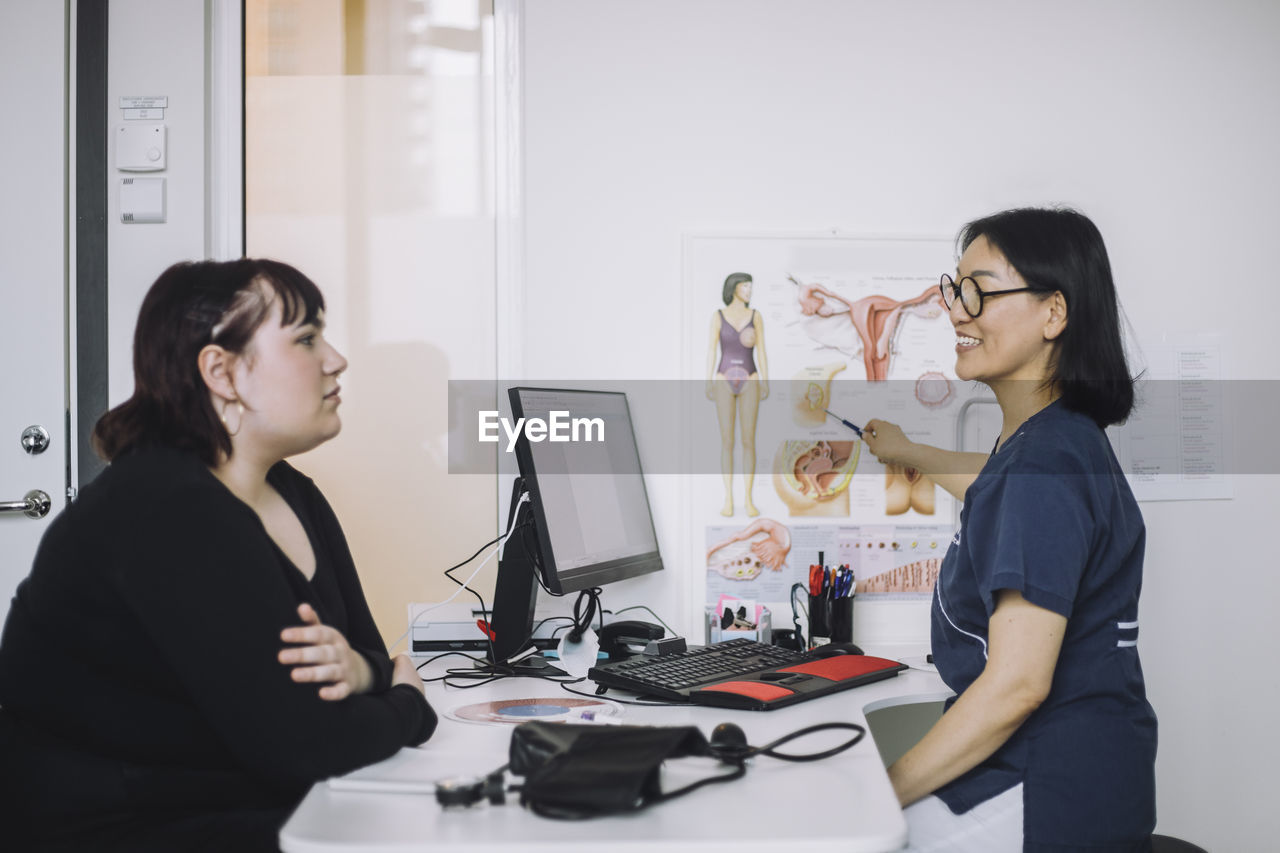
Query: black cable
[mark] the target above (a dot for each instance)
(491, 673)
(444, 679)
(771, 749)
(671, 631)
(737, 756)
(623, 701)
(582, 620)
(476, 554)
(542, 622)
(535, 557)
(449, 571)
(483, 673)
(795, 613)
(449, 574)
(444, 655)
(739, 770)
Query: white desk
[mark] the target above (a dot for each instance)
(842, 803)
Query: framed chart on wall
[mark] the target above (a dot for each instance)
(780, 330)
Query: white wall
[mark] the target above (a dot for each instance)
(648, 120)
(154, 49)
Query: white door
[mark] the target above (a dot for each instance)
(33, 274)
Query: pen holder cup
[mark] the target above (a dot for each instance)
(819, 620)
(841, 620)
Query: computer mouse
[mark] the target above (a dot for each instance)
(830, 650)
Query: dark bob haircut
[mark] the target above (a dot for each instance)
(192, 305)
(1062, 250)
(731, 284)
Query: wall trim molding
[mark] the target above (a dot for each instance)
(509, 218)
(224, 143)
(509, 199)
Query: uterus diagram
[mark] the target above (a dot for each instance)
(812, 477)
(867, 326)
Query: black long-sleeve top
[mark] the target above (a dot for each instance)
(138, 669)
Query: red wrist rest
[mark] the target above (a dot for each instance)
(842, 667)
(760, 690)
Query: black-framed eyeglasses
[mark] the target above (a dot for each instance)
(970, 294)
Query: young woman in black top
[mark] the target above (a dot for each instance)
(192, 649)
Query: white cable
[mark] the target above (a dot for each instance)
(524, 498)
(496, 552)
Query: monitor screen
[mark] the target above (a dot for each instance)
(579, 461)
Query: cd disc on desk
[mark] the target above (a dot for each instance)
(545, 709)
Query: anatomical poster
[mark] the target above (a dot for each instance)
(894, 561)
(762, 558)
(749, 561)
(798, 340)
(754, 561)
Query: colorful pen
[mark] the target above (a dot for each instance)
(856, 429)
(815, 580)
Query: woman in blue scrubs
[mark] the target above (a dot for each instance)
(1050, 742)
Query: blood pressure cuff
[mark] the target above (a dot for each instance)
(579, 771)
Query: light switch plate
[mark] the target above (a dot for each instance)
(141, 200)
(140, 147)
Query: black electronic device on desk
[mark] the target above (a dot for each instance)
(745, 674)
(579, 516)
(622, 640)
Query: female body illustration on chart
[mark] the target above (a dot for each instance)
(738, 381)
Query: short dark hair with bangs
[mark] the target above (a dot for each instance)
(1059, 249)
(731, 284)
(191, 305)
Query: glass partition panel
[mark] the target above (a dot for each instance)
(368, 165)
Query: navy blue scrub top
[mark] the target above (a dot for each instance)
(1052, 516)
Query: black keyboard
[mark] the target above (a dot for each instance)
(676, 676)
(743, 674)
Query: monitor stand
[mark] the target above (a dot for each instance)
(515, 595)
(534, 666)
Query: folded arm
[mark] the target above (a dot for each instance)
(215, 611)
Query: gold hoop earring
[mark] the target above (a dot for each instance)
(239, 419)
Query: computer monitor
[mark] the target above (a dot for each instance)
(587, 520)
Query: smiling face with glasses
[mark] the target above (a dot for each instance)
(969, 292)
(1004, 339)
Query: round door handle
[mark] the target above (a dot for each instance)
(34, 504)
(35, 439)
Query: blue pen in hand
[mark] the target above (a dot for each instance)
(856, 429)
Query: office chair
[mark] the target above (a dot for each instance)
(1167, 844)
